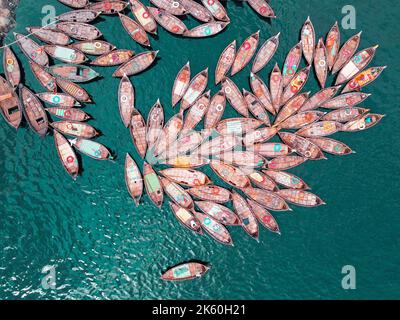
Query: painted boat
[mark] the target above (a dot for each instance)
(321, 63)
(292, 63)
(262, 8)
(60, 100)
(286, 179)
(176, 193)
(135, 30)
(138, 132)
(82, 15)
(245, 52)
(332, 45)
(234, 96)
(344, 114)
(271, 149)
(320, 129)
(268, 199)
(295, 86)
(169, 134)
(276, 87)
(126, 100)
(265, 54)
(153, 185)
(9, 104)
(73, 72)
(264, 217)
(217, 9)
(229, 174)
(363, 78)
(245, 214)
(186, 177)
(186, 271)
(300, 197)
(225, 61)
(308, 40)
(133, 179)
(301, 119)
(218, 212)
(346, 100)
(33, 111)
(187, 142)
(68, 114)
(197, 111)
(365, 121)
(256, 108)
(196, 10)
(237, 126)
(65, 54)
(32, 50)
(93, 47)
(259, 136)
(11, 67)
(195, 88)
(108, 7)
(331, 146)
(66, 155)
(215, 229)
(186, 218)
(206, 30)
(319, 98)
(346, 52)
(155, 124)
(91, 148)
(74, 90)
(46, 80)
(190, 161)
(137, 64)
(261, 91)
(291, 107)
(76, 4)
(168, 21)
(181, 84)
(262, 181)
(113, 58)
(285, 162)
(242, 158)
(79, 31)
(215, 110)
(210, 193)
(356, 64)
(172, 6)
(217, 145)
(75, 129)
(49, 36)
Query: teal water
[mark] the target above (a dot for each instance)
(103, 247)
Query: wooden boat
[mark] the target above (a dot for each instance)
(344, 114)
(286, 179)
(259, 136)
(168, 21)
(186, 271)
(320, 129)
(245, 52)
(33, 111)
(264, 217)
(113, 58)
(177, 194)
(210, 193)
(69, 113)
(138, 132)
(365, 121)
(225, 61)
(363, 78)
(82, 15)
(332, 45)
(133, 179)
(261, 91)
(76, 4)
(108, 7)
(93, 47)
(187, 142)
(190, 161)
(195, 88)
(301, 119)
(66, 155)
(79, 31)
(126, 100)
(215, 229)
(135, 30)
(262, 8)
(346, 52)
(262, 181)
(242, 158)
(319, 98)
(298, 82)
(346, 100)
(91, 148)
(245, 214)
(181, 84)
(237, 126)
(217, 9)
(218, 145)
(49, 36)
(266, 52)
(234, 96)
(218, 212)
(291, 107)
(153, 185)
(321, 63)
(267, 199)
(75, 129)
(285, 162)
(308, 40)
(155, 124)
(9, 104)
(186, 218)
(356, 64)
(65, 54)
(271, 149)
(31, 49)
(73, 90)
(196, 10)
(331, 146)
(169, 134)
(45, 79)
(292, 63)
(11, 67)
(256, 108)
(186, 177)
(206, 30)
(73, 72)
(300, 197)
(197, 111)
(229, 174)
(276, 87)
(137, 64)
(215, 110)
(171, 6)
